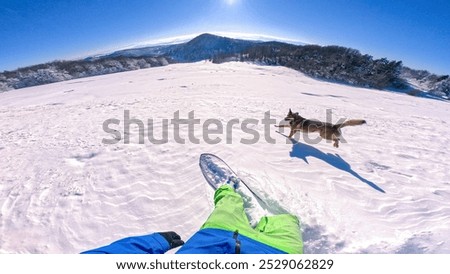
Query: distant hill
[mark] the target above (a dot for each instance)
(204, 46)
(207, 46)
(332, 63)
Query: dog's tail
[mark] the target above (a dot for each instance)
(350, 123)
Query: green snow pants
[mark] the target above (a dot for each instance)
(279, 231)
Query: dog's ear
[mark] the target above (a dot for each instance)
(290, 111)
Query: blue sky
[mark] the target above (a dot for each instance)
(414, 31)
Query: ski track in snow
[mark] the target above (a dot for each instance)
(385, 190)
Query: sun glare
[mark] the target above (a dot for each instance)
(230, 2)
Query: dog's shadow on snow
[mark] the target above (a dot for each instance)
(303, 151)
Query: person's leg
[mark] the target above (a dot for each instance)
(229, 212)
(282, 232)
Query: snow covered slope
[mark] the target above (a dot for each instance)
(386, 190)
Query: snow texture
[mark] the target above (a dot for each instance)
(385, 190)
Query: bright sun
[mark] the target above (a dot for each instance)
(231, 2)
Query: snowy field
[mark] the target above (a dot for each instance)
(63, 190)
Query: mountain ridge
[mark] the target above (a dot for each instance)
(330, 63)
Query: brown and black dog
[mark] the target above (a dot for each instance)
(326, 130)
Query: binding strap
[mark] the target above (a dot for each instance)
(237, 249)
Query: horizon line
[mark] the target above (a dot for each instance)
(162, 41)
(179, 39)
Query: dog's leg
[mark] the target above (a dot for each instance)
(336, 142)
(283, 126)
(291, 133)
(336, 138)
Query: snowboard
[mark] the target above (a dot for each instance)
(218, 173)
